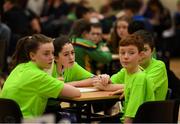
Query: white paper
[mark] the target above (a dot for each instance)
(84, 89)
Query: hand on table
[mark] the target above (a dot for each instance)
(104, 79)
(121, 92)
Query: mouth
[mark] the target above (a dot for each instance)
(125, 63)
(71, 62)
(50, 63)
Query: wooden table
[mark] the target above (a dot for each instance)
(85, 101)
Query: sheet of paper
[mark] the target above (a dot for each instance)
(85, 89)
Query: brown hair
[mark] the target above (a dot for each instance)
(59, 43)
(114, 35)
(134, 40)
(26, 45)
(147, 38)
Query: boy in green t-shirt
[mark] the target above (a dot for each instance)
(137, 89)
(155, 69)
(85, 37)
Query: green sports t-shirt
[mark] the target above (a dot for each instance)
(86, 51)
(31, 87)
(156, 73)
(137, 90)
(75, 73)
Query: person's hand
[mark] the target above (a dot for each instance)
(99, 86)
(104, 79)
(61, 78)
(121, 92)
(95, 79)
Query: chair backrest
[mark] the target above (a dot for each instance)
(169, 94)
(158, 112)
(9, 111)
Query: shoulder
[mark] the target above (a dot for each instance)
(83, 43)
(157, 63)
(32, 70)
(139, 78)
(122, 71)
(119, 74)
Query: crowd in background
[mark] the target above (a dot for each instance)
(53, 18)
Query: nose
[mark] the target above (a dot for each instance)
(126, 55)
(71, 56)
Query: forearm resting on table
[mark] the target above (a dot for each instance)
(82, 83)
(70, 91)
(109, 87)
(114, 87)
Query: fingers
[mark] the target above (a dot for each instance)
(121, 92)
(96, 80)
(121, 96)
(99, 86)
(117, 92)
(61, 78)
(104, 79)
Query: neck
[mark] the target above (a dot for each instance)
(146, 64)
(59, 69)
(133, 70)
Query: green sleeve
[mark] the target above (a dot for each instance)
(118, 78)
(94, 51)
(83, 42)
(49, 86)
(76, 73)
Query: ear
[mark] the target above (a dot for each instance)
(141, 54)
(32, 56)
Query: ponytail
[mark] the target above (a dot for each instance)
(26, 45)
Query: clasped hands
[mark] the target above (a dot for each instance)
(103, 82)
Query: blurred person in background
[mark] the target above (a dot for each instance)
(85, 45)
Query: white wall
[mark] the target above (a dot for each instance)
(170, 4)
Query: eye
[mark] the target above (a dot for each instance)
(72, 52)
(145, 49)
(131, 52)
(66, 54)
(46, 53)
(122, 53)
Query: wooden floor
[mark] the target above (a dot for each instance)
(175, 66)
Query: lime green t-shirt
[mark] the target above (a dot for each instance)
(31, 87)
(137, 90)
(75, 73)
(156, 73)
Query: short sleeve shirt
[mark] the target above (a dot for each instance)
(31, 87)
(75, 73)
(137, 90)
(156, 73)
